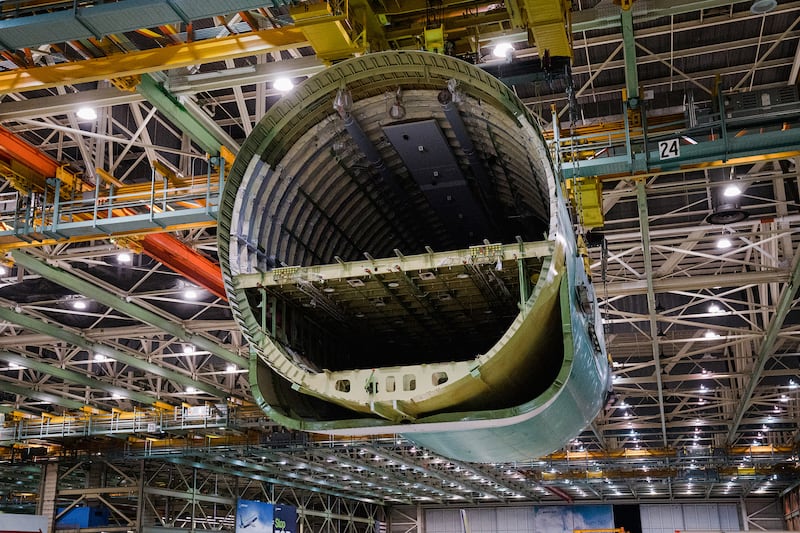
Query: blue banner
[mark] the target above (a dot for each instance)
(254, 517)
(285, 519)
(563, 519)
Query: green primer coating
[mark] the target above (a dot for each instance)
(65, 335)
(75, 377)
(170, 107)
(532, 428)
(98, 294)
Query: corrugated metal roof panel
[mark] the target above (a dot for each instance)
(197, 9)
(28, 32)
(127, 16)
(105, 19)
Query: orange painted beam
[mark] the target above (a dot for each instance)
(26, 154)
(187, 262)
(157, 59)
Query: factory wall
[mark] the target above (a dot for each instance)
(757, 514)
(687, 517)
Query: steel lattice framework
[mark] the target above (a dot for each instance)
(704, 341)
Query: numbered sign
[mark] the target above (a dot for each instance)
(669, 149)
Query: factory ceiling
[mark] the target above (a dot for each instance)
(103, 313)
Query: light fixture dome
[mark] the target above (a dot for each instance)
(502, 50)
(727, 214)
(86, 113)
(760, 7)
(732, 190)
(283, 85)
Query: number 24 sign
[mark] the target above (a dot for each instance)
(669, 149)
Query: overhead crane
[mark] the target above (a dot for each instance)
(158, 245)
(164, 248)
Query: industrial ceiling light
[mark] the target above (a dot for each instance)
(761, 7)
(502, 50)
(732, 190)
(124, 257)
(724, 242)
(86, 113)
(80, 305)
(188, 349)
(190, 293)
(727, 213)
(727, 209)
(283, 85)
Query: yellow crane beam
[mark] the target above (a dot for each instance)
(548, 21)
(144, 61)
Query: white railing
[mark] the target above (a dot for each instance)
(135, 422)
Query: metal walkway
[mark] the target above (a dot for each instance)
(726, 134)
(143, 423)
(44, 217)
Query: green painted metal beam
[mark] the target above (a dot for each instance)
(655, 348)
(629, 49)
(6, 409)
(29, 392)
(190, 495)
(598, 18)
(61, 333)
(767, 348)
(723, 151)
(75, 377)
(170, 107)
(104, 297)
(238, 471)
